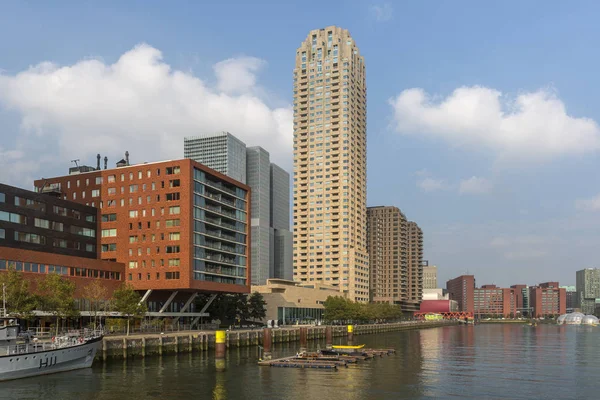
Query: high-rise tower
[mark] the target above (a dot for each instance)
(330, 163)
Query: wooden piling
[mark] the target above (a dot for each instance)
(328, 337)
(267, 342)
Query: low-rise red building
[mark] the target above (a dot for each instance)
(547, 299)
(494, 301)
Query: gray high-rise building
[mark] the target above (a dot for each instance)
(280, 223)
(271, 240)
(587, 286)
(220, 151)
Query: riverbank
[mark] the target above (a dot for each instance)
(505, 321)
(123, 347)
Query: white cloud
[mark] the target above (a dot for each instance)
(237, 75)
(475, 185)
(383, 12)
(533, 125)
(591, 204)
(432, 185)
(139, 104)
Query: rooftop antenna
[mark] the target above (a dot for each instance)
(76, 163)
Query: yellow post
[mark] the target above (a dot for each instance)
(220, 338)
(350, 334)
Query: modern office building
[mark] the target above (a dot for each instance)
(587, 285)
(415, 262)
(547, 299)
(42, 234)
(571, 298)
(220, 151)
(429, 277)
(330, 163)
(271, 239)
(179, 227)
(462, 290)
(522, 297)
(492, 301)
(387, 245)
(282, 255)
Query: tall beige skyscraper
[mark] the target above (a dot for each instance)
(330, 163)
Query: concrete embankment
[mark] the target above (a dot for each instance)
(122, 347)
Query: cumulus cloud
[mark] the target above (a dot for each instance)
(140, 104)
(237, 75)
(475, 185)
(591, 204)
(383, 12)
(533, 125)
(432, 184)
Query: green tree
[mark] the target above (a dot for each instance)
(338, 308)
(128, 302)
(96, 294)
(257, 306)
(19, 300)
(57, 298)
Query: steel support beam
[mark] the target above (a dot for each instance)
(208, 303)
(145, 296)
(168, 302)
(186, 305)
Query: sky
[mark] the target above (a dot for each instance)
(482, 125)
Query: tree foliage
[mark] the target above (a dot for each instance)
(19, 300)
(342, 310)
(128, 302)
(57, 297)
(257, 306)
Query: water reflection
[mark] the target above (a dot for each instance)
(485, 361)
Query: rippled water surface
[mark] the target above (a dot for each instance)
(485, 361)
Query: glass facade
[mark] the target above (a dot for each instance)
(291, 315)
(220, 230)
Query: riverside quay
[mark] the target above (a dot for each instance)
(179, 227)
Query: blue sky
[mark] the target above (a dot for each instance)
(481, 116)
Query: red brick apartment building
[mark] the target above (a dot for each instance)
(41, 234)
(547, 299)
(461, 289)
(179, 227)
(495, 301)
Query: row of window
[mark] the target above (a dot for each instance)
(58, 269)
(42, 240)
(168, 276)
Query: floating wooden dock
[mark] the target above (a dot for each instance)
(318, 361)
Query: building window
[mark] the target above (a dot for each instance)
(2, 198)
(171, 223)
(79, 230)
(173, 170)
(174, 236)
(95, 193)
(133, 214)
(109, 247)
(30, 238)
(41, 223)
(174, 262)
(172, 249)
(173, 196)
(109, 217)
(174, 210)
(98, 180)
(112, 178)
(133, 264)
(59, 243)
(109, 232)
(174, 183)
(12, 217)
(172, 275)
(2, 234)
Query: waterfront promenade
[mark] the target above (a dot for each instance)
(144, 345)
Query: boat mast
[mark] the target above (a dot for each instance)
(3, 313)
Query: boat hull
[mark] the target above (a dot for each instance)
(25, 365)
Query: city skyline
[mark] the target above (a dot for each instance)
(505, 203)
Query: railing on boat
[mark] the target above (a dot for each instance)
(71, 338)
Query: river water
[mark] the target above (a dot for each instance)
(460, 362)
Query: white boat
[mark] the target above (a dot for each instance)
(22, 357)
